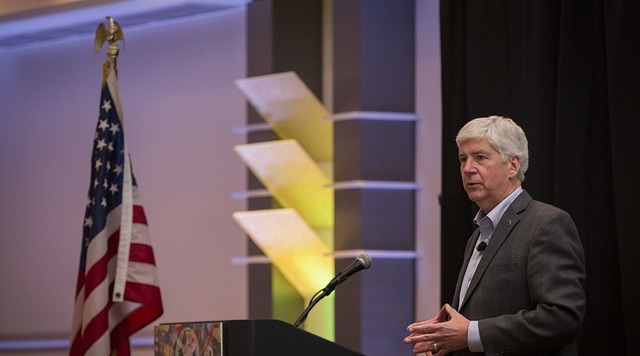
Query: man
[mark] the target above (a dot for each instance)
(521, 287)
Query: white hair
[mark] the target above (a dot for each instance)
(504, 135)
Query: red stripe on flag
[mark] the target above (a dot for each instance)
(138, 292)
(76, 344)
(97, 273)
(138, 318)
(95, 328)
(139, 216)
(141, 253)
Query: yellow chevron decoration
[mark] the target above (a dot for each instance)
(297, 170)
(292, 110)
(291, 245)
(293, 179)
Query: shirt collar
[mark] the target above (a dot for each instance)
(496, 213)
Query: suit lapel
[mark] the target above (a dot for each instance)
(508, 221)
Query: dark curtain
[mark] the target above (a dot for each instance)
(567, 72)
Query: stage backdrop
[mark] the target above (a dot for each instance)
(567, 72)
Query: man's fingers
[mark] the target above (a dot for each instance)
(450, 309)
(421, 323)
(418, 338)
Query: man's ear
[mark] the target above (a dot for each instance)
(514, 166)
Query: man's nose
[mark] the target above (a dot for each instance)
(469, 167)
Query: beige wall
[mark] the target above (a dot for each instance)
(180, 103)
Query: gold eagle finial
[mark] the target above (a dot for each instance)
(112, 34)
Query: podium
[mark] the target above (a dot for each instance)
(242, 338)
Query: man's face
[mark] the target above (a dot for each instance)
(486, 179)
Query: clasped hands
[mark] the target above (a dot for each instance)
(439, 335)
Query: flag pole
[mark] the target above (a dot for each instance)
(112, 34)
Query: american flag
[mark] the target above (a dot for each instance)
(117, 291)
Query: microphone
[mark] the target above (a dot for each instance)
(481, 246)
(363, 261)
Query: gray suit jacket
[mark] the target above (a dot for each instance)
(527, 293)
